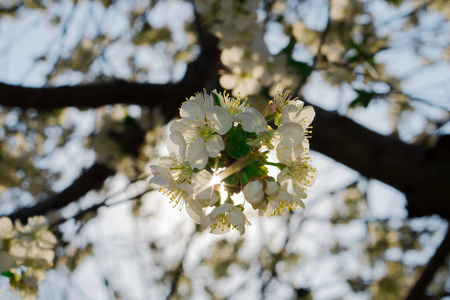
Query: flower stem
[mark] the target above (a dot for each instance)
(278, 165)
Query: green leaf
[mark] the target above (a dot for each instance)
(363, 98)
(7, 274)
(235, 142)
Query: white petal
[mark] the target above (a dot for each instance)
(299, 201)
(220, 230)
(192, 111)
(290, 113)
(195, 211)
(236, 217)
(226, 207)
(214, 145)
(201, 179)
(207, 221)
(294, 113)
(165, 161)
(299, 192)
(160, 179)
(307, 115)
(283, 177)
(272, 188)
(283, 195)
(291, 134)
(184, 187)
(204, 99)
(201, 183)
(288, 155)
(180, 126)
(176, 145)
(219, 118)
(310, 177)
(159, 170)
(305, 145)
(197, 156)
(252, 120)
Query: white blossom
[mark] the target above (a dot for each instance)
(234, 106)
(224, 218)
(253, 121)
(205, 124)
(174, 174)
(296, 113)
(204, 196)
(297, 171)
(283, 201)
(291, 134)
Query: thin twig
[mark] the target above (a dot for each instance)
(179, 269)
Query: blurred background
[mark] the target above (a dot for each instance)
(88, 87)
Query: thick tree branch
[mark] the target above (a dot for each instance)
(90, 179)
(167, 96)
(422, 175)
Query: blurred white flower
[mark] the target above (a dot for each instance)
(6, 229)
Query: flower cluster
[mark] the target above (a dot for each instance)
(221, 147)
(26, 252)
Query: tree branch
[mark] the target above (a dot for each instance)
(92, 96)
(418, 290)
(90, 179)
(422, 175)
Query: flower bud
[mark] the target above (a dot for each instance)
(254, 193)
(272, 188)
(270, 109)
